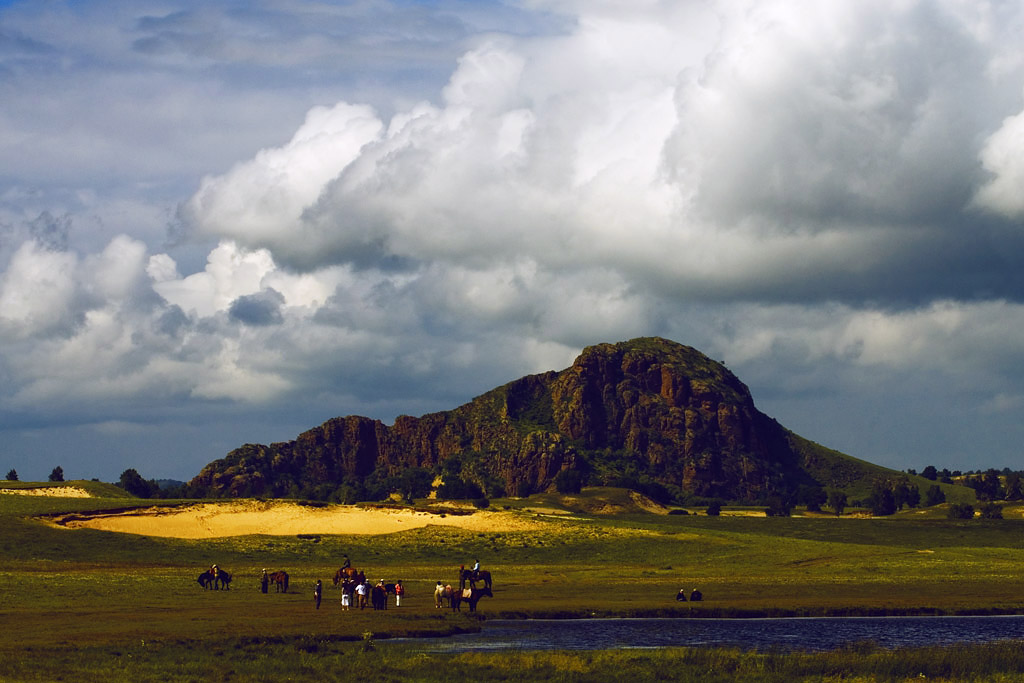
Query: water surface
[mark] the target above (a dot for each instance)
(812, 634)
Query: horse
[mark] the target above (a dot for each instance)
(467, 575)
(474, 597)
(280, 581)
(379, 597)
(347, 573)
(214, 582)
(442, 593)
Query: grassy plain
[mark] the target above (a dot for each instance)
(84, 604)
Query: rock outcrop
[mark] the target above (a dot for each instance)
(646, 412)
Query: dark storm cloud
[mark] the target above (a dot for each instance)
(263, 308)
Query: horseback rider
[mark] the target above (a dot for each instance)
(346, 564)
(476, 570)
(214, 571)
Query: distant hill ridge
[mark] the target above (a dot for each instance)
(649, 414)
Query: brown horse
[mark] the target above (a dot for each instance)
(467, 575)
(280, 581)
(348, 573)
(474, 597)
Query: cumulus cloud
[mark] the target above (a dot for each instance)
(1003, 157)
(263, 308)
(768, 151)
(825, 197)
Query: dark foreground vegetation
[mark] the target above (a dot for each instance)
(84, 605)
(315, 659)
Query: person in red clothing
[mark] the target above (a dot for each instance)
(399, 593)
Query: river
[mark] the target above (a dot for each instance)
(811, 633)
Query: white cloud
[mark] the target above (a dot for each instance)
(262, 201)
(1003, 157)
(38, 293)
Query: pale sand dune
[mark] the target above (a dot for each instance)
(55, 491)
(215, 520)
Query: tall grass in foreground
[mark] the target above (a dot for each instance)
(311, 659)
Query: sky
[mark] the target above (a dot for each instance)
(227, 222)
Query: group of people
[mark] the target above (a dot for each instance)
(356, 593)
(695, 596)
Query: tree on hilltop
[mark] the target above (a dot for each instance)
(57, 474)
(132, 482)
(12, 475)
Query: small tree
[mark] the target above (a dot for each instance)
(813, 497)
(12, 475)
(961, 511)
(714, 508)
(569, 481)
(132, 482)
(882, 501)
(837, 501)
(991, 511)
(930, 472)
(934, 495)
(1013, 487)
(57, 474)
(778, 507)
(415, 482)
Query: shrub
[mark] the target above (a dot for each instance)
(715, 508)
(778, 507)
(991, 511)
(837, 501)
(961, 511)
(569, 481)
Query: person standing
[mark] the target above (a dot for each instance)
(361, 590)
(264, 582)
(346, 594)
(318, 591)
(399, 592)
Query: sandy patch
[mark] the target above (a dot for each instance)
(55, 491)
(216, 520)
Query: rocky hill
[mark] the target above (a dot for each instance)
(647, 414)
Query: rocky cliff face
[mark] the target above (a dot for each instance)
(647, 410)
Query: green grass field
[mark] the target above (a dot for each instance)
(92, 605)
